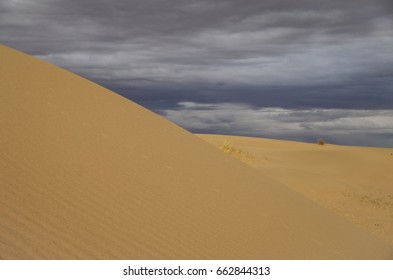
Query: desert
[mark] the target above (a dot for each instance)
(88, 174)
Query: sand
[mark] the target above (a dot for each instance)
(354, 182)
(88, 174)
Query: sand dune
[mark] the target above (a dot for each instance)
(87, 174)
(355, 182)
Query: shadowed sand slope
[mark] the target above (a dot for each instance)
(87, 174)
(355, 182)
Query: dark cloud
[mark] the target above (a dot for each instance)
(358, 96)
(276, 53)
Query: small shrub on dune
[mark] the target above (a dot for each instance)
(321, 142)
(228, 148)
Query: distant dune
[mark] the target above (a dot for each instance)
(355, 182)
(87, 174)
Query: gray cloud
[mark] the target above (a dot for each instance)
(233, 42)
(352, 127)
(302, 54)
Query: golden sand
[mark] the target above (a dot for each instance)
(354, 182)
(87, 174)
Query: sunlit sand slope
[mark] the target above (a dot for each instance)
(87, 174)
(355, 182)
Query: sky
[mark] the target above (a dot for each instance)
(297, 70)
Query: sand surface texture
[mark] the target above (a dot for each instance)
(355, 182)
(87, 174)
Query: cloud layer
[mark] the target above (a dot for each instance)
(297, 55)
(352, 127)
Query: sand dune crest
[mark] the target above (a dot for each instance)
(87, 174)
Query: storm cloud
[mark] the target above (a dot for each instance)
(293, 55)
